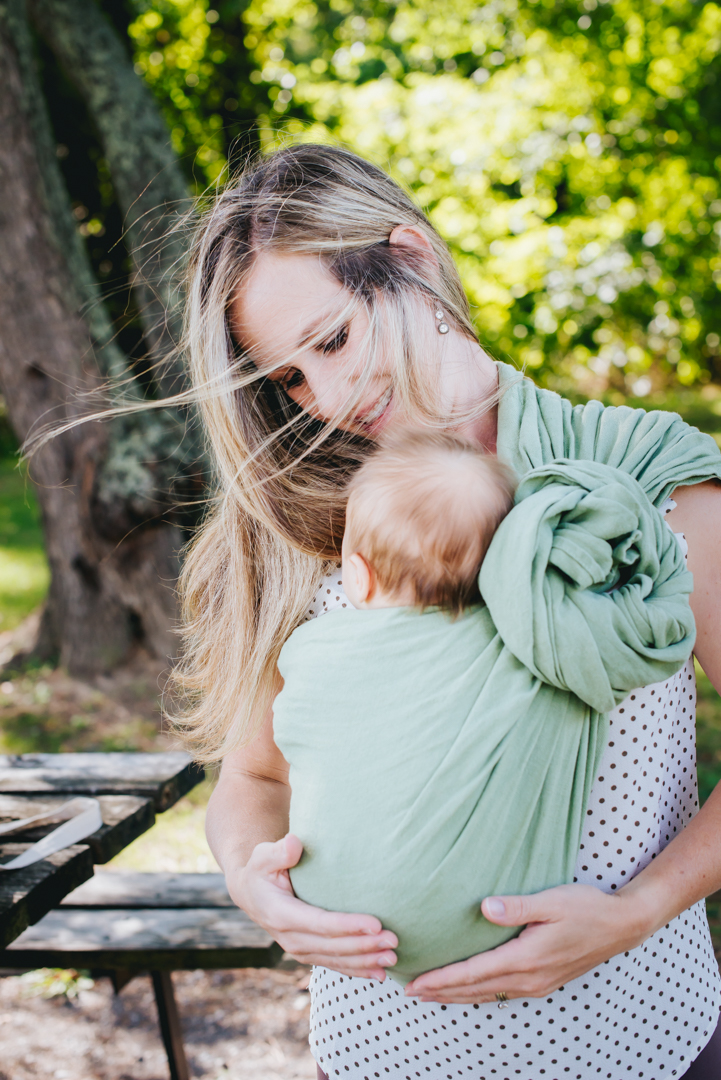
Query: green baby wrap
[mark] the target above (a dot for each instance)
(445, 761)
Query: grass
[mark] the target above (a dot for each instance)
(24, 574)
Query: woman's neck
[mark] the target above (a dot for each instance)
(472, 378)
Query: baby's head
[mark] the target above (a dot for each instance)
(421, 513)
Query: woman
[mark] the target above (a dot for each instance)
(324, 310)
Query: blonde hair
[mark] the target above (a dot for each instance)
(422, 511)
(276, 523)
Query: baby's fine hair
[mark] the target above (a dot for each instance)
(422, 511)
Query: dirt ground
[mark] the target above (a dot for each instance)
(237, 1025)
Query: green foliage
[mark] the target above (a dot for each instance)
(199, 69)
(708, 736)
(567, 151)
(55, 982)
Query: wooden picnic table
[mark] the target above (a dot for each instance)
(130, 787)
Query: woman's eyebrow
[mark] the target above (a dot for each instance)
(309, 333)
(311, 330)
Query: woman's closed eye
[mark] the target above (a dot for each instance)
(336, 343)
(292, 380)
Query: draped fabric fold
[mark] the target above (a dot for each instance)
(586, 584)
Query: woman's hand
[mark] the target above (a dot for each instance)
(247, 812)
(568, 931)
(352, 944)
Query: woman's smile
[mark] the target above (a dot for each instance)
(371, 420)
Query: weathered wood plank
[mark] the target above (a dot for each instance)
(28, 894)
(151, 938)
(162, 777)
(125, 817)
(151, 890)
(145, 928)
(109, 960)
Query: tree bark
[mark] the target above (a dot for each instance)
(149, 184)
(102, 593)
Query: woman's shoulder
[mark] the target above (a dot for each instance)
(329, 596)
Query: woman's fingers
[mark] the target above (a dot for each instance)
(353, 944)
(489, 971)
(333, 939)
(498, 968)
(291, 915)
(282, 912)
(372, 965)
(352, 967)
(361, 945)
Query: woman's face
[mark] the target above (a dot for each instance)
(278, 312)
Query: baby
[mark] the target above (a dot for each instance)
(444, 732)
(420, 517)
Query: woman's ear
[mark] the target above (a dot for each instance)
(410, 236)
(413, 237)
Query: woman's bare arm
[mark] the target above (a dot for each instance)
(698, 517)
(246, 826)
(253, 782)
(556, 945)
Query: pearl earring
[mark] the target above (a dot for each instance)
(443, 326)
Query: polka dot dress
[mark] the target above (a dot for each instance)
(646, 1014)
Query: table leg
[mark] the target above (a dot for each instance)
(169, 1021)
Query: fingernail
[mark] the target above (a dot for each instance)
(386, 943)
(495, 907)
(387, 961)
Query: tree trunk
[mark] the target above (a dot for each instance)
(102, 593)
(147, 178)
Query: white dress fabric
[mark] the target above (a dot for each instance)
(646, 1014)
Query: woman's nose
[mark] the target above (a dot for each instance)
(332, 393)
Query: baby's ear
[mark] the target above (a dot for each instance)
(363, 577)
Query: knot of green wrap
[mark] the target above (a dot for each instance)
(586, 584)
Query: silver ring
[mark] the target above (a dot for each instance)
(502, 999)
